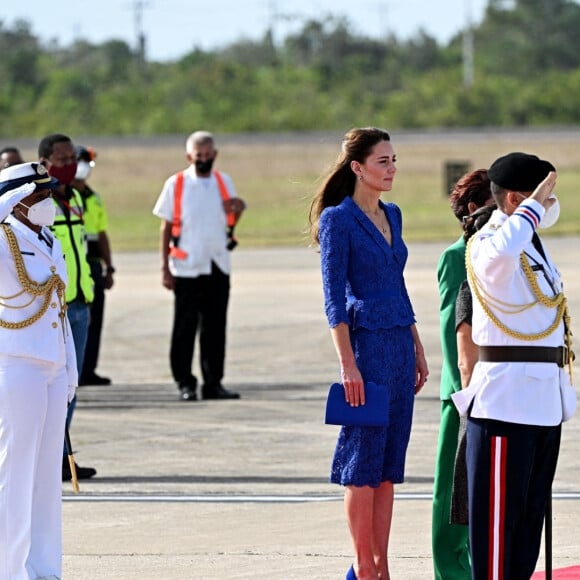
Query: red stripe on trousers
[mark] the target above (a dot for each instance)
(497, 478)
(502, 487)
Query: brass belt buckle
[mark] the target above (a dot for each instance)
(567, 355)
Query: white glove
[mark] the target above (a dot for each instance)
(72, 391)
(13, 197)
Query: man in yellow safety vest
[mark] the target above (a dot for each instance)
(56, 152)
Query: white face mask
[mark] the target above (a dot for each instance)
(41, 213)
(84, 169)
(552, 214)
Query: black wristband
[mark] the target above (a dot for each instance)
(110, 270)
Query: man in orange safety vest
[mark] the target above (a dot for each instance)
(199, 209)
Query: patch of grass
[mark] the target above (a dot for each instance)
(278, 175)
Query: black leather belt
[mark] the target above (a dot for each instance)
(550, 354)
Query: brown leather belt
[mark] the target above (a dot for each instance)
(550, 354)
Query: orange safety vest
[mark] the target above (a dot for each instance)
(175, 251)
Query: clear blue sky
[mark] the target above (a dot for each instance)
(174, 27)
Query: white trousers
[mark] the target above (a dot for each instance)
(33, 402)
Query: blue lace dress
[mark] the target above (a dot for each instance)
(364, 287)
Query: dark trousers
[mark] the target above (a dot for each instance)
(200, 302)
(510, 469)
(96, 323)
(78, 314)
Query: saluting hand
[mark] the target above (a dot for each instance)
(13, 197)
(543, 192)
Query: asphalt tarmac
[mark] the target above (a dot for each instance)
(238, 489)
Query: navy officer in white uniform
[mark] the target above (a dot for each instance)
(38, 375)
(513, 400)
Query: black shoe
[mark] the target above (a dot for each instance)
(94, 379)
(82, 472)
(187, 393)
(218, 393)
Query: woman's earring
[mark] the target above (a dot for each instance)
(360, 177)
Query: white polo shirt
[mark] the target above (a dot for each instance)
(203, 228)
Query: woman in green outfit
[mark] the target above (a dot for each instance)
(449, 541)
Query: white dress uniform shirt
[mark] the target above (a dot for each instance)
(203, 228)
(516, 392)
(45, 339)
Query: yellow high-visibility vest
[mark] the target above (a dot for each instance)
(69, 229)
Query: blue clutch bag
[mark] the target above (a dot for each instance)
(374, 413)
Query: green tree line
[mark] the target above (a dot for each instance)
(324, 77)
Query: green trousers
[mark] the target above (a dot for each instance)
(450, 542)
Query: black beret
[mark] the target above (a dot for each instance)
(519, 171)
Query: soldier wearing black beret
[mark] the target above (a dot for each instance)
(520, 392)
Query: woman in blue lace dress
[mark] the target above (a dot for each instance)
(373, 330)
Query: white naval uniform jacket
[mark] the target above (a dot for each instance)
(515, 392)
(44, 339)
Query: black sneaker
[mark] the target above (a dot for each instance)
(82, 472)
(94, 379)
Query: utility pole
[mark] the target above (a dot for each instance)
(138, 7)
(468, 73)
(383, 9)
(275, 16)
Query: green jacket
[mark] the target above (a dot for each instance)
(95, 218)
(450, 274)
(69, 229)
